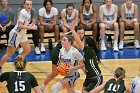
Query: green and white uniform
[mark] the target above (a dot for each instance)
(92, 70)
(110, 86)
(19, 81)
(55, 53)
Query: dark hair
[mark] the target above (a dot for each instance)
(45, 2)
(25, 1)
(84, 2)
(69, 4)
(20, 62)
(119, 74)
(78, 28)
(92, 43)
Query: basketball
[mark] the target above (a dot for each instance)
(62, 68)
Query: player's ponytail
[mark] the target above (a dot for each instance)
(120, 75)
(20, 63)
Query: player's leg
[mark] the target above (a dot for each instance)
(102, 35)
(116, 35)
(122, 28)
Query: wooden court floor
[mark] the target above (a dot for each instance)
(42, 69)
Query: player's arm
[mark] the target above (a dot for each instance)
(37, 89)
(101, 17)
(4, 76)
(94, 15)
(98, 88)
(81, 15)
(76, 37)
(64, 20)
(76, 17)
(55, 18)
(122, 9)
(115, 14)
(135, 12)
(128, 87)
(21, 20)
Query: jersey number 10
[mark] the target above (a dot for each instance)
(19, 86)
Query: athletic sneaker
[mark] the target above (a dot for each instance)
(121, 45)
(20, 50)
(37, 50)
(42, 88)
(103, 48)
(42, 48)
(116, 46)
(136, 44)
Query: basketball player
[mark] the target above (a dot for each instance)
(129, 19)
(114, 85)
(20, 81)
(55, 58)
(18, 33)
(91, 59)
(71, 56)
(108, 13)
(87, 13)
(68, 15)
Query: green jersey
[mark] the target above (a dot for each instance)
(110, 86)
(91, 65)
(19, 81)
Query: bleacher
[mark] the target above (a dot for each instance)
(60, 4)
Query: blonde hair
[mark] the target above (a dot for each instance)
(20, 62)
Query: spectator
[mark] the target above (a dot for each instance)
(48, 16)
(6, 19)
(18, 35)
(68, 15)
(87, 15)
(108, 16)
(129, 19)
(114, 85)
(20, 81)
(35, 33)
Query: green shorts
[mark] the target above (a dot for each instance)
(90, 84)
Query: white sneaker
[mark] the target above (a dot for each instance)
(37, 51)
(136, 44)
(20, 50)
(103, 48)
(42, 48)
(121, 45)
(116, 46)
(42, 88)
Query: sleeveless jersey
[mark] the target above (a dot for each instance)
(19, 81)
(108, 15)
(48, 18)
(91, 65)
(88, 15)
(71, 17)
(71, 57)
(25, 17)
(129, 14)
(110, 86)
(135, 88)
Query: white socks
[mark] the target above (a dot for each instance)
(56, 88)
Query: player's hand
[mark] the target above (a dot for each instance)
(34, 27)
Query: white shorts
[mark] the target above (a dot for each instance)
(15, 38)
(135, 88)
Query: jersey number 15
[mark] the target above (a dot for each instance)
(19, 86)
